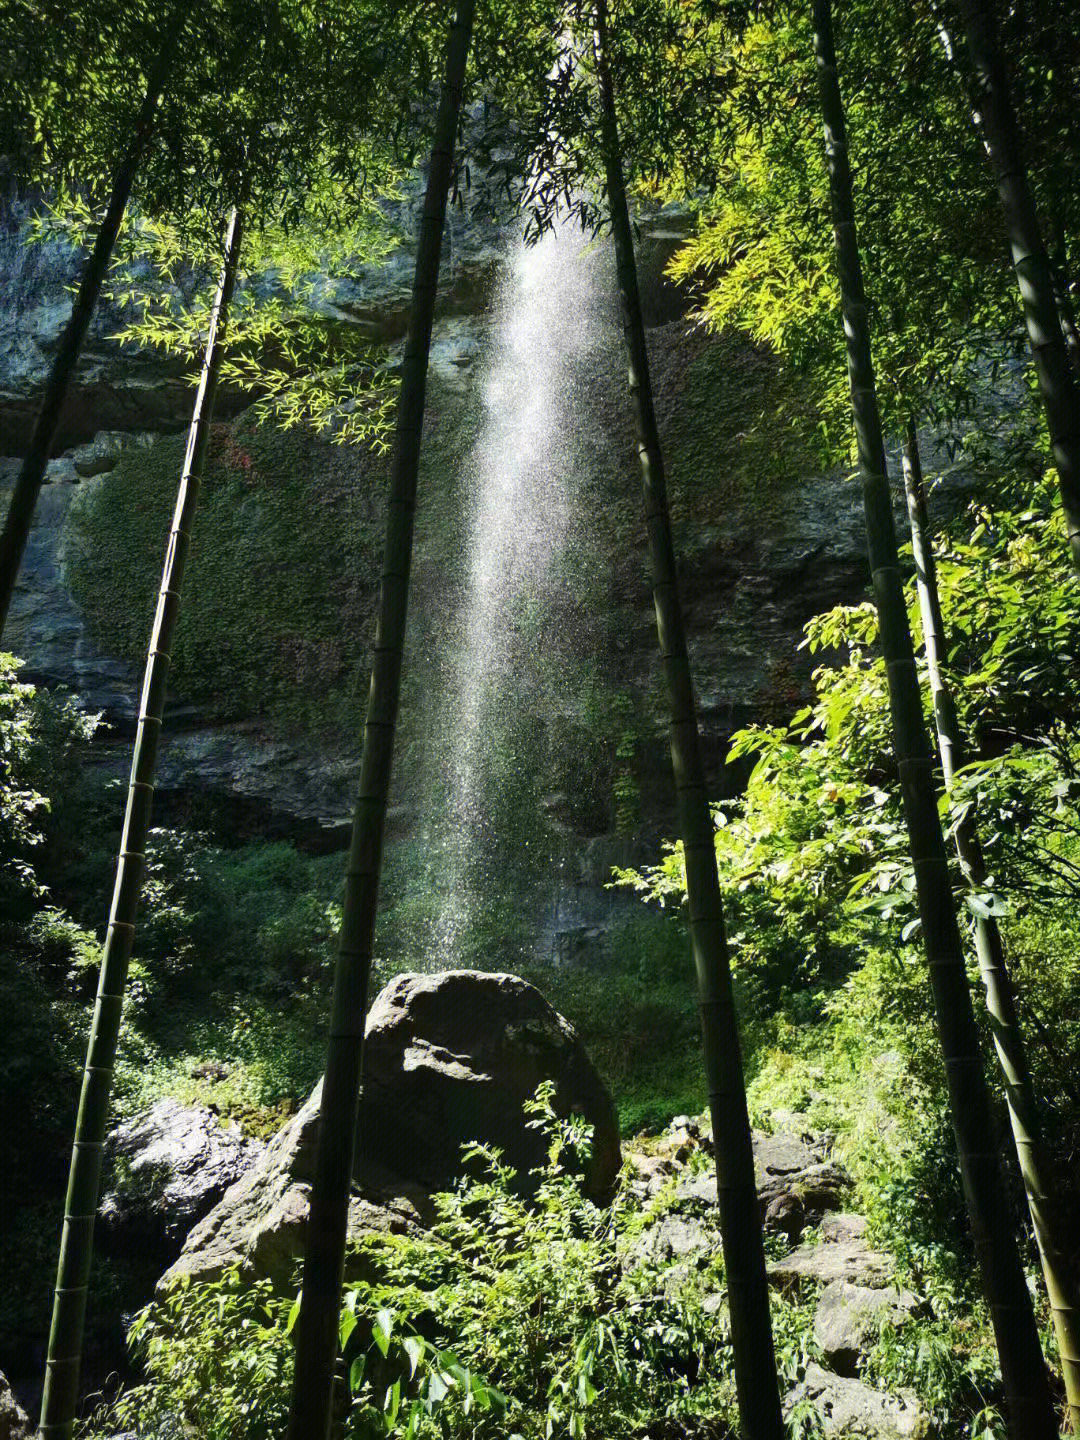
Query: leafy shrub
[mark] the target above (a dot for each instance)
(529, 1318)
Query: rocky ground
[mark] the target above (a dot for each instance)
(453, 1056)
(828, 1260)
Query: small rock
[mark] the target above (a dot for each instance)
(651, 1173)
(778, 1160)
(209, 1070)
(849, 1317)
(14, 1422)
(850, 1407)
(682, 1137)
(821, 1187)
(697, 1189)
(786, 1216)
(843, 1227)
(675, 1237)
(99, 455)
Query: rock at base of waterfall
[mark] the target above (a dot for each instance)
(452, 1057)
(850, 1407)
(259, 1225)
(172, 1164)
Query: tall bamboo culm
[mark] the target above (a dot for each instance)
(756, 1379)
(1027, 1392)
(1058, 383)
(1062, 300)
(64, 1360)
(1059, 1274)
(31, 475)
(320, 1300)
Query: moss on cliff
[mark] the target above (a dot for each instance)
(736, 426)
(281, 584)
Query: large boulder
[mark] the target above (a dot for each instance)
(452, 1057)
(258, 1227)
(171, 1165)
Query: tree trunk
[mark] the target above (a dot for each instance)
(84, 1181)
(1030, 1409)
(24, 497)
(1059, 1274)
(1058, 384)
(740, 1215)
(1057, 268)
(320, 1301)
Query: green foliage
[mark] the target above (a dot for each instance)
(818, 890)
(286, 345)
(543, 1319)
(509, 1317)
(761, 259)
(39, 734)
(226, 1352)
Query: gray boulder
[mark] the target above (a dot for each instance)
(675, 1237)
(846, 1257)
(14, 1423)
(258, 1226)
(850, 1407)
(171, 1166)
(449, 1058)
(779, 1159)
(849, 1317)
(452, 1057)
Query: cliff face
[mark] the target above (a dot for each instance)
(270, 664)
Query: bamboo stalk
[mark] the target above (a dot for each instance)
(756, 1379)
(24, 497)
(320, 1301)
(1045, 322)
(1058, 1272)
(1029, 1405)
(64, 1360)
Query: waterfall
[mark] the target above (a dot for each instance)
(520, 486)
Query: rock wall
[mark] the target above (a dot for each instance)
(270, 664)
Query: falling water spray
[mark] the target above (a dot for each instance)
(521, 480)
